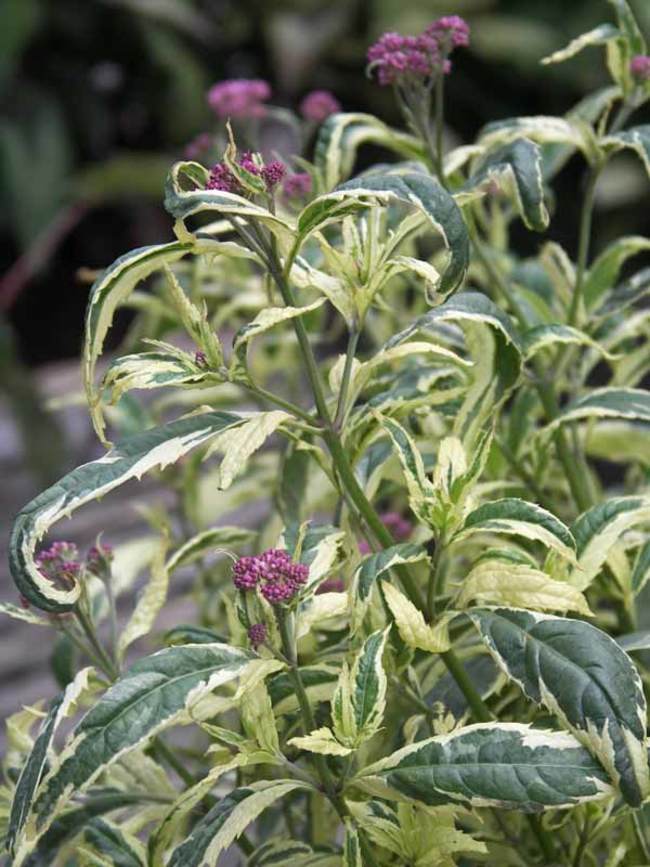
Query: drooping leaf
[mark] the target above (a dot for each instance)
(517, 166)
(582, 676)
(227, 819)
(604, 273)
(129, 459)
(503, 765)
(637, 139)
(341, 135)
(598, 529)
(520, 518)
(418, 190)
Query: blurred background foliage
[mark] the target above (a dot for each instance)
(99, 96)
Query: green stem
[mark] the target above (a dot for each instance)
(439, 121)
(106, 663)
(353, 340)
(278, 401)
(474, 700)
(584, 239)
(434, 587)
(167, 756)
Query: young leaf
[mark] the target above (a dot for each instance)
(503, 765)
(321, 741)
(520, 518)
(520, 586)
(600, 35)
(360, 698)
(411, 625)
(420, 489)
(151, 696)
(129, 459)
(226, 821)
(582, 676)
(374, 566)
(418, 190)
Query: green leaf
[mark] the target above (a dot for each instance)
(629, 403)
(226, 821)
(277, 853)
(503, 765)
(351, 846)
(418, 190)
(582, 676)
(131, 458)
(374, 566)
(413, 629)
(605, 271)
(33, 768)
(341, 135)
(360, 698)
(545, 336)
(637, 139)
(149, 603)
(520, 586)
(641, 569)
(517, 167)
(520, 518)
(151, 696)
(121, 849)
(206, 542)
(598, 529)
(600, 35)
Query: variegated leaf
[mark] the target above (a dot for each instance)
(418, 190)
(411, 624)
(516, 517)
(597, 531)
(360, 697)
(205, 542)
(374, 566)
(582, 676)
(322, 741)
(227, 819)
(636, 138)
(517, 167)
(238, 444)
(151, 696)
(341, 135)
(149, 603)
(113, 843)
(605, 271)
(545, 336)
(503, 765)
(600, 35)
(131, 458)
(520, 586)
(352, 856)
(33, 768)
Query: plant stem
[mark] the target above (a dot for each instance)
(167, 756)
(434, 588)
(278, 401)
(353, 340)
(103, 658)
(474, 700)
(440, 110)
(584, 239)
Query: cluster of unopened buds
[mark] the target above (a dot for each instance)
(223, 178)
(60, 562)
(396, 58)
(640, 67)
(276, 575)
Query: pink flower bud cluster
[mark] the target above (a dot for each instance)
(222, 178)
(239, 97)
(640, 67)
(277, 576)
(400, 527)
(318, 105)
(398, 58)
(257, 634)
(99, 558)
(59, 563)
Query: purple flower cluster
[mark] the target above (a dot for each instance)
(59, 563)
(222, 178)
(257, 634)
(396, 57)
(640, 67)
(277, 576)
(297, 186)
(239, 97)
(319, 105)
(398, 526)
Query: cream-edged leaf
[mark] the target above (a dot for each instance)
(237, 445)
(411, 624)
(321, 741)
(150, 602)
(600, 35)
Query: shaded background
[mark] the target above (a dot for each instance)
(98, 97)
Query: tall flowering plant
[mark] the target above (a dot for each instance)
(425, 644)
